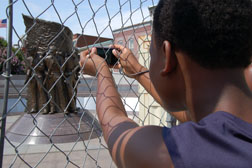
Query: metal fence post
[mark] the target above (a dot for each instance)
(7, 78)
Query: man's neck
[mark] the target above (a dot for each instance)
(220, 90)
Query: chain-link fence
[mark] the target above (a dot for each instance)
(48, 108)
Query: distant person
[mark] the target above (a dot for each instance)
(199, 52)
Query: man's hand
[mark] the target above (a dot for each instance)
(91, 63)
(128, 61)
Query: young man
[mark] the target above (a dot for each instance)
(199, 51)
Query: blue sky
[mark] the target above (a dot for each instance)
(119, 11)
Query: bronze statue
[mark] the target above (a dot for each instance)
(52, 67)
(32, 81)
(54, 82)
(37, 99)
(71, 76)
(40, 73)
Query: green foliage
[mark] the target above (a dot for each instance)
(3, 43)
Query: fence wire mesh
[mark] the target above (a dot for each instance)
(94, 23)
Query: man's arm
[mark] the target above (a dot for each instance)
(130, 145)
(131, 66)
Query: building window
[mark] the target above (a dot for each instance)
(131, 44)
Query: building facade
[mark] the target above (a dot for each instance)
(129, 36)
(137, 38)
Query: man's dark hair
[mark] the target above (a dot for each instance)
(214, 33)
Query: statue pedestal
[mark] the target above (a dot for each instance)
(55, 128)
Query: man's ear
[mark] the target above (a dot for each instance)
(169, 58)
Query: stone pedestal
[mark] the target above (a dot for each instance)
(55, 128)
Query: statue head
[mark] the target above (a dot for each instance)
(40, 54)
(32, 51)
(52, 49)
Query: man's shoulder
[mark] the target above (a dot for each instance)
(217, 136)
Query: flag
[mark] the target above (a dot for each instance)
(3, 23)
